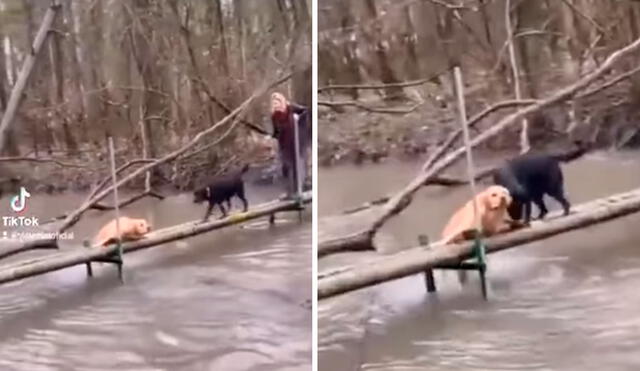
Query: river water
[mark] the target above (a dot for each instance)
(232, 299)
(566, 303)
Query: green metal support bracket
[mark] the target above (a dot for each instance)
(479, 250)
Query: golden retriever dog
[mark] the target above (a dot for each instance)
(130, 229)
(491, 204)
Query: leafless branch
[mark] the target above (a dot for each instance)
(357, 104)
(36, 159)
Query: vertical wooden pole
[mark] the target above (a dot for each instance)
(479, 246)
(462, 113)
(112, 154)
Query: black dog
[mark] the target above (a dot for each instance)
(529, 177)
(222, 189)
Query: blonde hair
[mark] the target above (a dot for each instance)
(279, 102)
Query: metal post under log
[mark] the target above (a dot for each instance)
(429, 279)
(118, 259)
(298, 166)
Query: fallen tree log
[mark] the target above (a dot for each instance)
(354, 242)
(398, 202)
(78, 255)
(13, 248)
(417, 260)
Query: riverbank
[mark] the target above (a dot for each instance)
(80, 172)
(351, 134)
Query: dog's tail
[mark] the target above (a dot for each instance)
(580, 149)
(244, 169)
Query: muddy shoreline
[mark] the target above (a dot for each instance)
(358, 136)
(52, 179)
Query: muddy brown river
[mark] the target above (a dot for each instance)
(566, 303)
(232, 299)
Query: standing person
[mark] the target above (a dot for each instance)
(283, 117)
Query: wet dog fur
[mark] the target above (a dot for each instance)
(491, 204)
(222, 189)
(529, 177)
(130, 229)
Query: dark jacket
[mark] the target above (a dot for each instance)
(283, 126)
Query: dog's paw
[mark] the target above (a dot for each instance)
(470, 234)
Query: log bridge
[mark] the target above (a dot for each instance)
(69, 257)
(425, 258)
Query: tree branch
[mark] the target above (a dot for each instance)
(335, 105)
(36, 159)
(383, 86)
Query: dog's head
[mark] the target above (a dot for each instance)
(496, 197)
(199, 196)
(141, 226)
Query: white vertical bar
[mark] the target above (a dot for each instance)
(112, 154)
(462, 112)
(298, 164)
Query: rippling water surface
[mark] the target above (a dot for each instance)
(234, 299)
(566, 303)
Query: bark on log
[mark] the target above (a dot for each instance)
(354, 242)
(25, 72)
(398, 202)
(75, 256)
(416, 260)
(14, 248)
